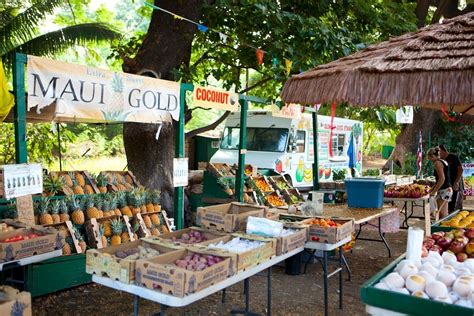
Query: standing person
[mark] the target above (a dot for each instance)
(442, 189)
(455, 173)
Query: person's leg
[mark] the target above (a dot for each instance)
(453, 202)
(442, 208)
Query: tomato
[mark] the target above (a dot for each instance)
(33, 235)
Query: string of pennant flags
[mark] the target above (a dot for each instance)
(259, 53)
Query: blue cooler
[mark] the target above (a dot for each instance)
(365, 192)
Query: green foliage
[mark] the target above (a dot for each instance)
(458, 139)
(339, 174)
(371, 173)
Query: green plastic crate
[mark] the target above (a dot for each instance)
(403, 303)
(436, 227)
(57, 274)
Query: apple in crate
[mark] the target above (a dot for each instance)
(469, 233)
(456, 247)
(437, 235)
(445, 242)
(470, 248)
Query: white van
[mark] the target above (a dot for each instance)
(285, 145)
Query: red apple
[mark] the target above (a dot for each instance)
(449, 234)
(424, 252)
(469, 233)
(463, 240)
(444, 242)
(456, 247)
(461, 256)
(470, 248)
(459, 232)
(437, 235)
(436, 248)
(428, 243)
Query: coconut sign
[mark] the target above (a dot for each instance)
(210, 98)
(81, 93)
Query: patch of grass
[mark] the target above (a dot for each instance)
(92, 164)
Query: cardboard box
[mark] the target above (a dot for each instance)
(229, 217)
(211, 236)
(162, 274)
(256, 256)
(288, 243)
(330, 235)
(49, 240)
(14, 302)
(103, 263)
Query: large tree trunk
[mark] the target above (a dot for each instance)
(407, 141)
(166, 46)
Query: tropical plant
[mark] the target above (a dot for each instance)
(19, 30)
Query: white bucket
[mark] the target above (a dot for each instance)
(315, 206)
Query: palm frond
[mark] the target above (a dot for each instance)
(22, 27)
(6, 16)
(58, 41)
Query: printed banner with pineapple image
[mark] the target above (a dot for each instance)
(81, 93)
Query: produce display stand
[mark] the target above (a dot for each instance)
(402, 303)
(326, 249)
(436, 227)
(29, 260)
(362, 217)
(166, 300)
(414, 203)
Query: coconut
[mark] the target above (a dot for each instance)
(420, 294)
(382, 286)
(427, 276)
(444, 299)
(446, 277)
(464, 302)
(408, 269)
(429, 268)
(462, 287)
(436, 289)
(415, 282)
(394, 281)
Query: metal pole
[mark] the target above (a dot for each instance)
(239, 180)
(19, 61)
(58, 127)
(179, 151)
(315, 145)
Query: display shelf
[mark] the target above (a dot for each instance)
(30, 260)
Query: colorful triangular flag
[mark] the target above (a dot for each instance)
(202, 28)
(259, 53)
(288, 64)
(223, 37)
(6, 98)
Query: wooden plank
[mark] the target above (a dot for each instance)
(360, 215)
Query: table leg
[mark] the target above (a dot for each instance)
(325, 280)
(247, 311)
(405, 212)
(162, 312)
(340, 277)
(427, 212)
(383, 238)
(223, 295)
(346, 264)
(313, 255)
(269, 292)
(136, 303)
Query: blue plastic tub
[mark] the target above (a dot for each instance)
(365, 192)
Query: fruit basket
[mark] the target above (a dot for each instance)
(274, 200)
(261, 184)
(220, 170)
(117, 181)
(459, 219)
(409, 191)
(69, 182)
(293, 196)
(279, 183)
(402, 303)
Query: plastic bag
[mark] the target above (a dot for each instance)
(264, 227)
(414, 244)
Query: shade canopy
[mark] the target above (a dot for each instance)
(430, 67)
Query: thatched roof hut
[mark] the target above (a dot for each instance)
(429, 67)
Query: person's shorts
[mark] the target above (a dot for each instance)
(445, 194)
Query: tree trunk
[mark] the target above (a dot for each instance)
(407, 140)
(166, 46)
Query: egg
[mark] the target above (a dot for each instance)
(454, 297)
(394, 281)
(427, 276)
(464, 302)
(408, 269)
(420, 294)
(381, 286)
(449, 258)
(402, 263)
(462, 287)
(415, 282)
(446, 277)
(469, 263)
(436, 289)
(428, 267)
(444, 299)
(402, 291)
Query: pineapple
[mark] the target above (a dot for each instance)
(147, 221)
(77, 214)
(164, 229)
(128, 179)
(43, 211)
(154, 230)
(155, 219)
(68, 246)
(102, 236)
(107, 229)
(120, 181)
(67, 178)
(125, 237)
(143, 201)
(149, 202)
(116, 226)
(136, 227)
(134, 200)
(76, 187)
(80, 179)
(124, 208)
(88, 189)
(79, 238)
(91, 210)
(99, 204)
(63, 212)
(52, 185)
(55, 205)
(113, 206)
(101, 182)
(106, 208)
(156, 199)
(11, 212)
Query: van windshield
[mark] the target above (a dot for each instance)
(258, 139)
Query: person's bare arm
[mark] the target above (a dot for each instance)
(439, 170)
(458, 178)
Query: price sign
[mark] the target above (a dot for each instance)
(22, 179)
(24, 206)
(180, 172)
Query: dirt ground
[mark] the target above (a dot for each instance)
(292, 295)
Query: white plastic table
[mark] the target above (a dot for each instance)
(414, 202)
(30, 260)
(326, 248)
(167, 300)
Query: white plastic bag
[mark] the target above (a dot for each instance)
(264, 227)
(414, 244)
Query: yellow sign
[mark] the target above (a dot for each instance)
(210, 98)
(292, 111)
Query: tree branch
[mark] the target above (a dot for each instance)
(255, 85)
(208, 127)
